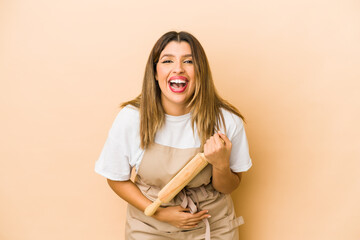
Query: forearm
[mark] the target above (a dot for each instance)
(176, 216)
(128, 191)
(217, 150)
(224, 180)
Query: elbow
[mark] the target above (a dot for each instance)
(225, 189)
(229, 186)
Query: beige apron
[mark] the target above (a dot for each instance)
(159, 164)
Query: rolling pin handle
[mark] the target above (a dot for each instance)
(151, 209)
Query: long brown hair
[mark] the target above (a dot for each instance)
(205, 104)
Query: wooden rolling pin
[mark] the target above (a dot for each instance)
(177, 183)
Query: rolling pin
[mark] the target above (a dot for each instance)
(177, 183)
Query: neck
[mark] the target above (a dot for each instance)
(175, 109)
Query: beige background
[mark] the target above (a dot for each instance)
(291, 67)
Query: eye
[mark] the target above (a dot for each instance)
(188, 61)
(166, 61)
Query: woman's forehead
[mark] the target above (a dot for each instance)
(176, 48)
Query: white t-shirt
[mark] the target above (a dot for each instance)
(122, 151)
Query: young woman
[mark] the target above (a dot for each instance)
(177, 115)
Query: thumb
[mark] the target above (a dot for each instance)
(185, 209)
(224, 138)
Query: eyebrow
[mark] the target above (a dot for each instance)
(171, 55)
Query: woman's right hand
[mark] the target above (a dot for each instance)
(180, 217)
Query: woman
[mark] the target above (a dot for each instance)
(177, 115)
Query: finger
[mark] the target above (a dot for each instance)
(224, 138)
(215, 142)
(219, 141)
(209, 146)
(197, 220)
(200, 217)
(188, 227)
(192, 223)
(210, 141)
(194, 220)
(187, 210)
(200, 214)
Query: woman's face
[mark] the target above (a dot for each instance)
(176, 77)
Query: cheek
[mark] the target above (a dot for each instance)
(191, 72)
(161, 73)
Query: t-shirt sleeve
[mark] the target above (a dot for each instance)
(240, 160)
(115, 157)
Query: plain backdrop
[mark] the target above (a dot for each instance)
(291, 67)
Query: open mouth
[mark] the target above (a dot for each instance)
(178, 85)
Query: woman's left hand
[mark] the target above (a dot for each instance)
(217, 150)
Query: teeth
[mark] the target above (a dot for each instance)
(177, 81)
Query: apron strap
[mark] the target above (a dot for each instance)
(187, 202)
(236, 222)
(207, 229)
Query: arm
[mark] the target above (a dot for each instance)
(128, 191)
(176, 216)
(227, 181)
(217, 151)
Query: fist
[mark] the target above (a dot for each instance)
(217, 150)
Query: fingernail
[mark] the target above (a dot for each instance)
(209, 216)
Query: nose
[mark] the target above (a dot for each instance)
(178, 67)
